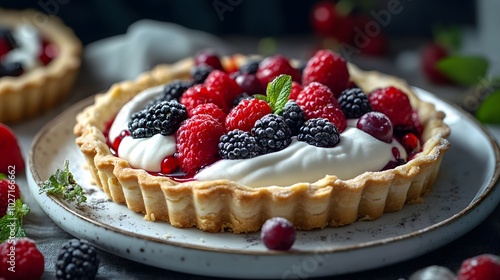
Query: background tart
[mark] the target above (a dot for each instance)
(221, 205)
(43, 87)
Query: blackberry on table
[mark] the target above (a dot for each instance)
(319, 132)
(163, 117)
(249, 67)
(238, 144)
(294, 116)
(200, 72)
(272, 133)
(354, 103)
(77, 259)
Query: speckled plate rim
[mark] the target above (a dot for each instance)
(488, 193)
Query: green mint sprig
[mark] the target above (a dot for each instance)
(277, 93)
(11, 224)
(62, 183)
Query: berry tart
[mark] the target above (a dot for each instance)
(226, 143)
(39, 61)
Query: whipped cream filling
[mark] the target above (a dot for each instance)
(26, 53)
(356, 153)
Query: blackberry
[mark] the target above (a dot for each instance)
(249, 67)
(77, 259)
(272, 133)
(294, 116)
(200, 72)
(354, 103)
(241, 97)
(319, 132)
(174, 90)
(238, 144)
(13, 69)
(163, 117)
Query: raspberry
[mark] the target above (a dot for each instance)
(209, 109)
(196, 141)
(278, 233)
(163, 117)
(246, 113)
(220, 83)
(77, 259)
(250, 67)
(208, 57)
(328, 68)
(9, 192)
(200, 94)
(319, 132)
(294, 116)
(238, 144)
(296, 89)
(482, 267)
(12, 159)
(273, 66)
(411, 143)
(200, 72)
(272, 133)
(354, 103)
(377, 125)
(317, 101)
(26, 260)
(394, 103)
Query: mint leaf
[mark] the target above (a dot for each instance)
(278, 91)
(464, 70)
(449, 37)
(11, 223)
(488, 110)
(62, 183)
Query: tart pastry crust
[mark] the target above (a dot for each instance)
(221, 205)
(40, 89)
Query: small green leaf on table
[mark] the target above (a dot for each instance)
(62, 183)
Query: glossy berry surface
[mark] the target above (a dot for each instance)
(273, 66)
(411, 143)
(29, 262)
(394, 103)
(161, 118)
(249, 84)
(238, 144)
(77, 259)
(9, 192)
(11, 159)
(246, 113)
(354, 103)
(198, 129)
(320, 133)
(294, 116)
(278, 233)
(327, 68)
(272, 133)
(118, 140)
(169, 164)
(174, 90)
(482, 267)
(200, 72)
(377, 125)
(208, 57)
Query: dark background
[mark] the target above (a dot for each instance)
(93, 20)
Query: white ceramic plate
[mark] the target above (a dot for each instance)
(463, 196)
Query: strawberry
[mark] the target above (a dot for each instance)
(209, 109)
(220, 83)
(296, 89)
(246, 113)
(328, 68)
(11, 159)
(482, 267)
(200, 94)
(317, 101)
(20, 259)
(9, 192)
(431, 55)
(196, 141)
(394, 103)
(273, 66)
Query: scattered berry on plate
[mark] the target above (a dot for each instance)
(11, 159)
(208, 57)
(319, 132)
(163, 117)
(354, 103)
(377, 125)
(77, 259)
(278, 233)
(28, 262)
(246, 113)
(272, 133)
(327, 68)
(394, 103)
(238, 144)
(273, 66)
(199, 128)
(9, 192)
(482, 267)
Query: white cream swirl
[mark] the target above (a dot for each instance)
(356, 153)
